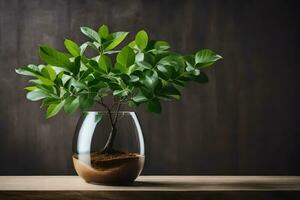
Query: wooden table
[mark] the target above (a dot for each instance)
(152, 187)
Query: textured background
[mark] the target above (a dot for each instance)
(244, 121)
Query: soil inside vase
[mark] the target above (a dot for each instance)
(116, 168)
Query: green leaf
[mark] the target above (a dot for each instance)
(77, 84)
(76, 65)
(103, 31)
(189, 68)
(126, 57)
(85, 101)
(133, 45)
(120, 93)
(97, 86)
(30, 88)
(150, 79)
(175, 61)
(45, 80)
(125, 78)
(95, 66)
(141, 39)
(29, 70)
(201, 78)
(139, 57)
(71, 104)
(154, 106)
(111, 52)
(170, 91)
(196, 72)
(83, 48)
(93, 35)
(48, 90)
(190, 59)
(148, 57)
(118, 37)
(48, 101)
(35, 81)
(205, 58)
(114, 86)
(72, 47)
(133, 68)
(105, 63)
(49, 72)
(132, 104)
(36, 95)
(54, 57)
(161, 45)
(134, 78)
(65, 78)
(166, 72)
(163, 69)
(121, 68)
(144, 65)
(139, 98)
(54, 108)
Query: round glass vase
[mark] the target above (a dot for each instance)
(108, 148)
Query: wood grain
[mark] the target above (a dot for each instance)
(244, 121)
(154, 183)
(148, 195)
(152, 187)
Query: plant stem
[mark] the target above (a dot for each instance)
(117, 113)
(108, 111)
(108, 148)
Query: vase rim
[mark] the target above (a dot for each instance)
(105, 112)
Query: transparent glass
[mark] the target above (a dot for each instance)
(123, 162)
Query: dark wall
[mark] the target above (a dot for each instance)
(244, 121)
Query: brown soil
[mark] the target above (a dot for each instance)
(117, 168)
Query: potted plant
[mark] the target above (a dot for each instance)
(108, 145)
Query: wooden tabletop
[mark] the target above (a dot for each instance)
(154, 183)
(152, 187)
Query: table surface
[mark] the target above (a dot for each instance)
(154, 183)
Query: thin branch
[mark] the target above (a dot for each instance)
(117, 112)
(108, 110)
(113, 105)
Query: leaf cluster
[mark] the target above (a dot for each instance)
(143, 71)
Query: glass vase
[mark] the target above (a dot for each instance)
(108, 147)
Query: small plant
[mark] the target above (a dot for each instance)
(142, 72)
